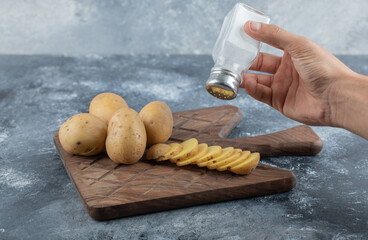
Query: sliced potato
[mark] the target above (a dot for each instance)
(245, 155)
(190, 148)
(213, 152)
(235, 155)
(203, 149)
(213, 157)
(175, 148)
(157, 151)
(247, 166)
(226, 152)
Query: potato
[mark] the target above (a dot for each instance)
(104, 105)
(213, 157)
(202, 150)
(175, 148)
(158, 121)
(83, 134)
(247, 166)
(157, 151)
(243, 157)
(235, 155)
(190, 148)
(126, 138)
(226, 152)
(213, 152)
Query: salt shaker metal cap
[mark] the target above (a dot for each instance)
(223, 84)
(234, 52)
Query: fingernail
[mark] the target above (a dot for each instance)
(255, 26)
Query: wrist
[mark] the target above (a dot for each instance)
(349, 102)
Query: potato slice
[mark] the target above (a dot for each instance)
(203, 149)
(213, 152)
(175, 148)
(226, 152)
(247, 166)
(235, 155)
(242, 158)
(190, 148)
(158, 150)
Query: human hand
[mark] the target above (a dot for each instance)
(305, 81)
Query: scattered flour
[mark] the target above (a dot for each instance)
(49, 71)
(94, 85)
(244, 101)
(294, 216)
(15, 179)
(3, 136)
(62, 96)
(91, 57)
(165, 91)
(303, 201)
(331, 136)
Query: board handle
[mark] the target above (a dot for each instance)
(300, 140)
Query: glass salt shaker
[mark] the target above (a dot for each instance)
(234, 52)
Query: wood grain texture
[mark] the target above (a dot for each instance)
(109, 190)
(213, 125)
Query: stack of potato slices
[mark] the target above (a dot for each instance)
(212, 157)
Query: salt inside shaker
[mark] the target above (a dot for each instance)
(234, 52)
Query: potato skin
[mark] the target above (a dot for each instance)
(104, 105)
(83, 134)
(158, 150)
(158, 121)
(126, 138)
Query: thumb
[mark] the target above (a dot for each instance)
(272, 35)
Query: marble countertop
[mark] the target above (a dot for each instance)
(38, 201)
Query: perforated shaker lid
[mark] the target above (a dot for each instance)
(223, 84)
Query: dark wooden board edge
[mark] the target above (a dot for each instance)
(70, 175)
(163, 204)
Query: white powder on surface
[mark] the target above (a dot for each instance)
(303, 201)
(331, 136)
(62, 96)
(3, 137)
(15, 179)
(88, 56)
(294, 216)
(49, 71)
(163, 91)
(94, 85)
(244, 101)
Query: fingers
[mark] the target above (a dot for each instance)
(272, 35)
(266, 63)
(260, 78)
(281, 84)
(258, 86)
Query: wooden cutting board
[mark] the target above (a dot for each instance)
(109, 190)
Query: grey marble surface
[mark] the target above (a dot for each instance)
(38, 201)
(167, 26)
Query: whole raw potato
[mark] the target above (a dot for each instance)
(83, 134)
(104, 105)
(158, 121)
(126, 137)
